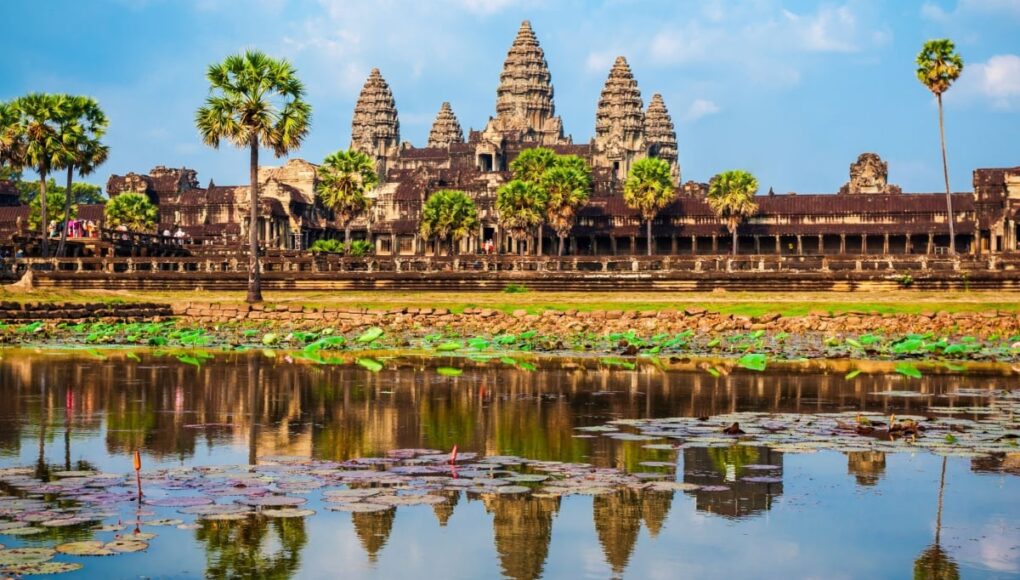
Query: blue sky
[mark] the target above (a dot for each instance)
(790, 90)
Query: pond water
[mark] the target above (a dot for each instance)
(271, 425)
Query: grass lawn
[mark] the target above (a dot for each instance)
(743, 303)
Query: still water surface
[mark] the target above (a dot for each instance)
(825, 515)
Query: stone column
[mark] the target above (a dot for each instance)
(715, 244)
(779, 245)
(612, 245)
(931, 244)
(694, 245)
(821, 244)
(633, 245)
(885, 244)
(800, 245)
(907, 248)
(842, 243)
(864, 243)
(757, 245)
(673, 247)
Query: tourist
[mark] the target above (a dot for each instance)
(179, 236)
(53, 229)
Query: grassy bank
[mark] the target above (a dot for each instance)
(749, 304)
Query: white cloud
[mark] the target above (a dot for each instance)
(700, 108)
(1007, 7)
(600, 62)
(831, 29)
(966, 8)
(933, 12)
(997, 80)
(486, 7)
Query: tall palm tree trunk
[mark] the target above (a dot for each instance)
(62, 246)
(347, 233)
(562, 242)
(254, 275)
(938, 517)
(648, 229)
(44, 246)
(945, 174)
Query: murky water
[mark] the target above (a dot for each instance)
(818, 515)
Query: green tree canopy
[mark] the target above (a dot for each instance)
(520, 206)
(38, 128)
(82, 130)
(530, 164)
(938, 67)
(567, 188)
(84, 193)
(12, 142)
(448, 214)
(731, 195)
(344, 178)
(55, 202)
(133, 211)
(648, 189)
(254, 101)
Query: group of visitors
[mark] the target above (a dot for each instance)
(75, 228)
(177, 237)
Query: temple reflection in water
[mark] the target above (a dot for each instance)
(258, 406)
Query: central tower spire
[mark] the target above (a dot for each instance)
(524, 98)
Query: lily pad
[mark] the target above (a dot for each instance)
(87, 548)
(288, 513)
(16, 556)
(127, 546)
(358, 507)
(42, 568)
(272, 501)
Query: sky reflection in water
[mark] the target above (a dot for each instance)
(829, 515)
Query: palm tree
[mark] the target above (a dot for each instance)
(12, 142)
(256, 100)
(567, 189)
(731, 195)
(39, 125)
(938, 65)
(133, 211)
(532, 163)
(81, 131)
(521, 207)
(448, 214)
(344, 177)
(529, 166)
(648, 189)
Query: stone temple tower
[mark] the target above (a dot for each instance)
(524, 99)
(619, 121)
(375, 129)
(660, 136)
(445, 129)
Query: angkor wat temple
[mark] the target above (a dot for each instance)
(867, 215)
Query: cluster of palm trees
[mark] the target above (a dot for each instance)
(48, 133)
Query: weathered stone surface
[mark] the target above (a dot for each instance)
(869, 174)
(445, 129)
(619, 121)
(375, 129)
(660, 136)
(524, 98)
